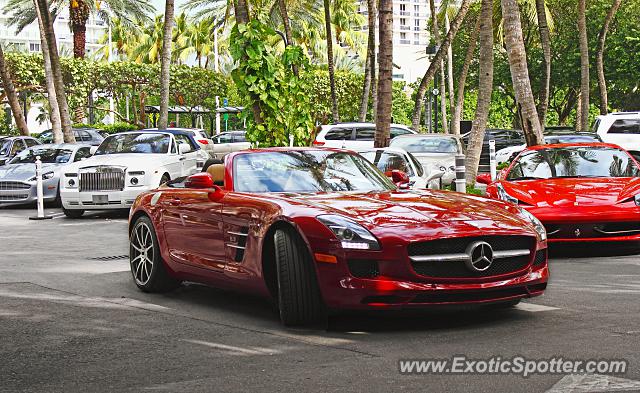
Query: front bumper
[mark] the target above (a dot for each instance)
(100, 200)
(22, 196)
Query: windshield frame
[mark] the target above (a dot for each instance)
(100, 152)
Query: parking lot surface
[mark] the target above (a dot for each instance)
(71, 319)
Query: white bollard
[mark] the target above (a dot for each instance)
(290, 140)
(39, 192)
(461, 182)
(492, 159)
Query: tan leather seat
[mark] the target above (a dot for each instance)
(217, 173)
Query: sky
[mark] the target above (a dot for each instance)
(159, 4)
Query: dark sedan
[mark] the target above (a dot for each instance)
(89, 136)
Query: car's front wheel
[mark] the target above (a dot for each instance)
(147, 266)
(73, 213)
(299, 299)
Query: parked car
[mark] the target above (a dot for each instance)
(389, 159)
(198, 134)
(436, 152)
(509, 153)
(354, 136)
(90, 136)
(229, 142)
(124, 166)
(580, 191)
(621, 128)
(320, 229)
(10, 146)
(504, 138)
(18, 177)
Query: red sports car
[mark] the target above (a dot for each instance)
(323, 229)
(580, 191)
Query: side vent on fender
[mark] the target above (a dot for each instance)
(238, 241)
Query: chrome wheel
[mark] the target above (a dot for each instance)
(142, 253)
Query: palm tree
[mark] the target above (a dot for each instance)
(148, 46)
(12, 96)
(545, 42)
(456, 114)
(42, 13)
(583, 121)
(332, 77)
(485, 88)
(443, 88)
(520, 73)
(370, 63)
(439, 56)
(602, 37)
(163, 120)
(385, 79)
(54, 108)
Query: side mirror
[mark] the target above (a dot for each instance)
(184, 148)
(484, 178)
(400, 179)
(200, 181)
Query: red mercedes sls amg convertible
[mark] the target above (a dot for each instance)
(580, 192)
(323, 229)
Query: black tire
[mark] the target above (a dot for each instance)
(73, 213)
(299, 299)
(165, 178)
(154, 278)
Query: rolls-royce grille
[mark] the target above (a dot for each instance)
(450, 258)
(13, 185)
(102, 181)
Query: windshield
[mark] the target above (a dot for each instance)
(306, 171)
(388, 162)
(48, 155)
(4, 147)
(144, 142)
(427, 144)
(575, 161)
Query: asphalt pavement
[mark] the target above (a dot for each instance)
(71, 319)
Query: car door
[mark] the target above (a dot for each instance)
(240, 142)
(339, 137)
(625, 133)
(222, 144)
(193, 228)
(189, 160)
(363, 138)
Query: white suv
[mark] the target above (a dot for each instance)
(621, 128)
(354, 136)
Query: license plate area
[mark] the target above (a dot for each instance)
(100, 199)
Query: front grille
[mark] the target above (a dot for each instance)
(470, 296)
(456, 268)
(13, 185)
(111, 179)
(541, 258)
(592, 230)
(16, 197)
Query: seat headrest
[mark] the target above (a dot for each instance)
(217, 173)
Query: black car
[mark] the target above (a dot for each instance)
(90, 136)
(10, 146)
(504, 138)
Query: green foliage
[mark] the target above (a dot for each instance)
(469, 190)
(264, 78)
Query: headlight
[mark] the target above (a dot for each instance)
(135, 178)
(351, 235)
(71, 180)
(542, 233)
(45, 176)
(637, 199)
(502, 194)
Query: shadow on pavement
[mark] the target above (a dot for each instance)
(596, 249)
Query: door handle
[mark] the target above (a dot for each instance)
(183, 158)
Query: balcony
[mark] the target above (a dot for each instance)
(402, 27)
(405, 42)
(402, 13)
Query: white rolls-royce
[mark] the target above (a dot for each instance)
(125, 165)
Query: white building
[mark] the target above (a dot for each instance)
(28, 40)
(410, 37)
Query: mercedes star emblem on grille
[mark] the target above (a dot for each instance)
(480, 256)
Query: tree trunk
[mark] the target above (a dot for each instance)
(12, 96)
(428, 76)
(456, 114)
(583, 125)
(602, 37)
(443, 81)
(79, 14)
(545, 41)
(520, 72)
(54, 114)
(485, 88)
(332, 78)
(163, 121)
(369, 72)
(56, 70)
(282, 5)
(452, 97)
(385, 79)
(578, 111)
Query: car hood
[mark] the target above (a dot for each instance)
(415, 209)
(572, 191)
(24, 172)
(129, 160)
(440, 159)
